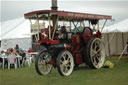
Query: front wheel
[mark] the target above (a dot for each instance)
(42, 64)
(65, 63)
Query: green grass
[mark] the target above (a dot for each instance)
(80, 76)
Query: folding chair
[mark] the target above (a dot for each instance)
(28, 59)
(12, 60)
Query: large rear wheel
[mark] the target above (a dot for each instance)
(95, 55)
(65, 63)
(42, 64)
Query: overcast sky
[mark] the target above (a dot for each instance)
(11, 9)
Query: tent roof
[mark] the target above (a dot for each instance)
(121, 26)
(15, 28)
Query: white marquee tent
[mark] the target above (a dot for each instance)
(115, 38)
(118, 27)
(14, 32)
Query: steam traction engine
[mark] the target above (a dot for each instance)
(69, 40)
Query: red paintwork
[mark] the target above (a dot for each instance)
(68, 47)
(78, 58)
(87, 34)
(53, 62)
(68, 14)
(45, 39)
(49, 42)
(98, 34)
(76, 44)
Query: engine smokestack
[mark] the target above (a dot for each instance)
(54, 5)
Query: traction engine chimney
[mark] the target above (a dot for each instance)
(54, 5)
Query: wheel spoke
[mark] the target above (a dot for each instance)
(68, 60)
(68, 65)
(99, 50)
(62, 64)
(93, 53)
(47, 68)
(64, 69)
(99, 57)
(67, 69)
(95, 45)
(63, 56)
(94, 60)
(62, 59)
(41, 62)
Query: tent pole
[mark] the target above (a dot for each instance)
(108, 44)
(121, 54)
(116, 43)
(31, 24)
(111, 38)
(123, 39)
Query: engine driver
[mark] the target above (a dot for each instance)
(63, 33)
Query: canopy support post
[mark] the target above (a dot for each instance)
(55, 27)
(81, 26)
(38, 26)
(103, 25)
(49, 27)
(98, 25)
(64, 23)
(89, 23)
(70, 26)
(75, 25)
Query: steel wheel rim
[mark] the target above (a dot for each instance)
(97, 53)
(43, 63)
(66, 63)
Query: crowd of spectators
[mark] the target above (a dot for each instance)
(16, 51)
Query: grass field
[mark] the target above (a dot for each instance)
(80, 76)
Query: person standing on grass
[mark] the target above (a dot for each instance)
(18, 48)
